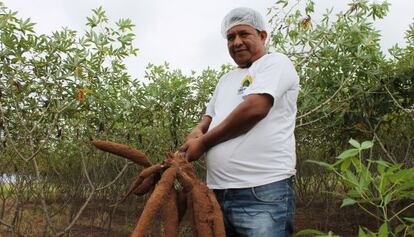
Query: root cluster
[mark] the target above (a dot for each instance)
(172, 201)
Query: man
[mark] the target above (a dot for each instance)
(247, 132)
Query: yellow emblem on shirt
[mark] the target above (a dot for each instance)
(246, 82)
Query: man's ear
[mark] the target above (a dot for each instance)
(263, 35)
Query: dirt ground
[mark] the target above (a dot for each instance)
(341, 221)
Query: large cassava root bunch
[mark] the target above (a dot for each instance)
(194, 198)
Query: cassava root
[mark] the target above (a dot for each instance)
(193, 198)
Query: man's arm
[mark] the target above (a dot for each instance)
(200, 129)
(247, 114)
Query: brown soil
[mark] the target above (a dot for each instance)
(341, 221)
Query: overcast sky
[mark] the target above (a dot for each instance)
(185, 33)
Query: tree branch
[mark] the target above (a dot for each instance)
(410, 112)
(78, 214)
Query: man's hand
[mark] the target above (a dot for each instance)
(195, 133)
(247, 114)
(193, 148)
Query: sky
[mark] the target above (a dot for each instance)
(184, 33)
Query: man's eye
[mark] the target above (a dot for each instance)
(230, 37)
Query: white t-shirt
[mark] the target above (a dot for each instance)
(266, 153)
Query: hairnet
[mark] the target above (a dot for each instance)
(242, 16)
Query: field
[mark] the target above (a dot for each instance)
(354, 124)
(94, 221)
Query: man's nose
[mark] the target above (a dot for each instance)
(237, 41)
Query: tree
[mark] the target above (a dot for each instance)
(349, 90)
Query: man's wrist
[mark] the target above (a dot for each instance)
(198, 129)
(205, 141)
(195, 133)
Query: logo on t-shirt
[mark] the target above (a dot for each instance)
(246, 82)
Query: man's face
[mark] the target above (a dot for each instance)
(245, 44)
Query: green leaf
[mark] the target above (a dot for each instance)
(354, 143)
(311, 232)
(365, 179)
(285, 4)
(383, 230)
(348, 153)
(382, 163)
(410, 219)
(310, 7)
(351, 178)
(387, 199)
(361, 232)
(92, 22)
(124, 24)
(345, 164)
(402, 175)
(366, 145)
(348, 202)
(366, 233)
(399, 228)
(320, 163)
(99, 11)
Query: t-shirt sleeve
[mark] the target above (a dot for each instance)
(210, 109)
(274, 75)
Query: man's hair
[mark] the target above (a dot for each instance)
(242, 16)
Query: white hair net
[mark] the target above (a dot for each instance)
(242, 16)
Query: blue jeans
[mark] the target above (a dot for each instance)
(262, 211)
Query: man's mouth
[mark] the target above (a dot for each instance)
(240, 50)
